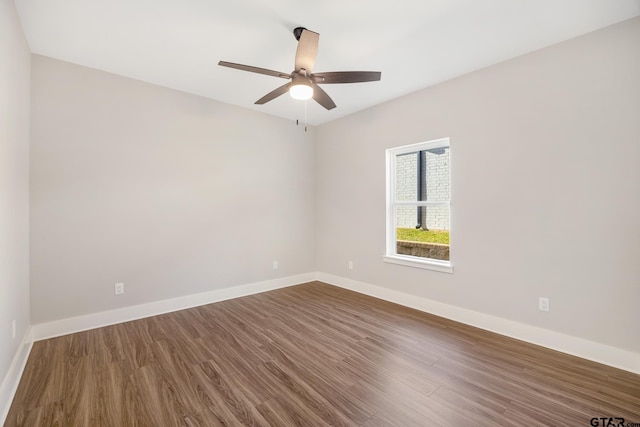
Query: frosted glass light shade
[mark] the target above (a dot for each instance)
(301, 91)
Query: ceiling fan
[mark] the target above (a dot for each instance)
(303, 83)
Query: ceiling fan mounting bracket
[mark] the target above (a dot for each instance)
(297, 32)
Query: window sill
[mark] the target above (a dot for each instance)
(409, 261)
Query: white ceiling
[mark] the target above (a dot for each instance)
(414, 43)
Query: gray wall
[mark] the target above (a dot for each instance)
(170, 193)
(175, 194)
(545, 200)
(14, 184)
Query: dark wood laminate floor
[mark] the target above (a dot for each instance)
(311, 355)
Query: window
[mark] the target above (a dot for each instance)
(418, 205)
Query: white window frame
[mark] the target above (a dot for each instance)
(391, 254)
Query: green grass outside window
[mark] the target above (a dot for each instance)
(427, 236)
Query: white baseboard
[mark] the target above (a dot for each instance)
(105, 318)
(590, 350)
(12, 380)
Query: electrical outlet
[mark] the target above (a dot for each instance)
(543, 304)
(119, 288)
(13, 329)
(350, 265)
(275, 265)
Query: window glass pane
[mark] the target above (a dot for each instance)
(436, 167)
(423, 175)
(423, 231)
(407, 177)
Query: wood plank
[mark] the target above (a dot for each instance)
(311, 354)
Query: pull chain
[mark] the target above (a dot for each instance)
(305, 115)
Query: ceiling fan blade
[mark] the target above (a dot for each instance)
(254, 69)
(274, 94)
(323, 98)
(307, 51)
(346, 77)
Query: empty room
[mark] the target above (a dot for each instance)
(284, 213)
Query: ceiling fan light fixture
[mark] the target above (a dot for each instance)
(301, 91)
